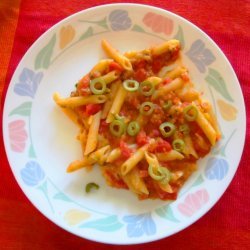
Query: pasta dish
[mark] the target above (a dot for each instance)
(141, 120)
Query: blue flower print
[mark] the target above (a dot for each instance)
(139, 225)
(32, 174)
(28, 83)
(119, 20)
(200, 55)
(216, 169)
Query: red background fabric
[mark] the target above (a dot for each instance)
(226, 225)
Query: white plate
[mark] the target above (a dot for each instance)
(40, 141)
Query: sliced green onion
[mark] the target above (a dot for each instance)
(90, 186)
(160, 174)
(131, 85)
(98, 86)
(184, 128)
(155, 173)
(133, 128)
(190, 113)
(167, 129)
(178, 145)
(167, 105)
(147, 88)
(117, 128)
(146, 108)
(167, 175)
(119, 117)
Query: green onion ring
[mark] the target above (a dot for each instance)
(130, 85)
(155, 173)
(178, 145)
(133, 128)
(147, 84)
(146, 108)
(167, 129)
(190, 113)
(167, 105)
(117, 128)
(184, 128)
(95, 90)
(90, 186)
(160, 174)
(167, 175)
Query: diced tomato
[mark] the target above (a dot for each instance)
(140, 74)
(133, 100)
(143, 173)
(114, 181)
(125, 150)
(84, 82)
(157, 64)
(175, 53)
(92, 109)
(140, 64)
(141, 138)
(154, 133)
(161, 146)
(115, 66)
(83, 85)
(103, 126)
(167, 80)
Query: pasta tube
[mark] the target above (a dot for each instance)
(169, 156)
(133, 160)
(170, 45)
(72, 102)
(113, 53)
(206, 127)
(93, 134)
(172, 86)
(114, 155)
(135, 182)
(117, 103)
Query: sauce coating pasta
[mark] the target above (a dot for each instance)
(141, 120)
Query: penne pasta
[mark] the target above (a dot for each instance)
(154, 80)
(82, 137)
(92, 140)
(118, 57)
(78, 164)
(110, 77)
(141, 120)
(187, 94)
(135, 182)
(176, 72)
(206, 127)
(151, 159)
(170, 45)
(100, 155)
(114, 155)
(177, 83)
(73, 102)
(172, 155)
(110, 99)
(132, 161)
(189, 147)
(117, 103)
(101, 66)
